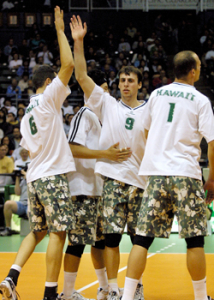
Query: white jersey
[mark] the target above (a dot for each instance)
(43, 133)
(123, 124)
(177, 119)
(85, 130)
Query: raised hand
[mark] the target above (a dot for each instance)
(78, 30)
(59, 19)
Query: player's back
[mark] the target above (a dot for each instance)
(85, 130)
(176, 123)
(43, 134)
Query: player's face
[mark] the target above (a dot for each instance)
(128, 85)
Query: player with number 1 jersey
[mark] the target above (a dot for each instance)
(179, 104)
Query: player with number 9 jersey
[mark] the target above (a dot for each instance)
(123, 124)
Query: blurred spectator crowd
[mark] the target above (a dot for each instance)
(108, 51)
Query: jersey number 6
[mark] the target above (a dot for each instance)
(33, 127)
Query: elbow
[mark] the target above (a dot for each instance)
(80, 77)
(69, 64)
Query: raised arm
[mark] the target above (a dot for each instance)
(78, 31)
(66, 57)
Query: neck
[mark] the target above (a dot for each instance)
(40, 90)
(131, 102)
(185, 81)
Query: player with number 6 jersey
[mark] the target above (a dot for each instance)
(50, 203)
(43, 136)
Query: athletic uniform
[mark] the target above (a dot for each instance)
(51, 158)
(123, 188)
(85, 186)
(178, 116)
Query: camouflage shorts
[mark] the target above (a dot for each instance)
(121, 206)
(50, 204)
(166, 196)
(88, 225)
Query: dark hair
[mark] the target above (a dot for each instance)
(20, 108)
(97, 76)
(131, 69)
(25, 74)
(184, 62)
(7, 99)
(10, 112)
(10, 145)
(4, 116)
(16, 127)
(41, 74)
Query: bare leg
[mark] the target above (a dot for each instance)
(97, 256)
(27, 247)
(71, 266)
(137, 262)
(10, 207)
(196, 263)
(98, 260)
(136, 266)
(54, 255)
(71, 263)
(112, 261)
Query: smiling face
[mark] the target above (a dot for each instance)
(129, 86)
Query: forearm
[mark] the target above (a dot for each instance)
(66, 57)
(17, 186)
(80, 62)
(79, 151)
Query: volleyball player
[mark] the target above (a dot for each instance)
(178, 117)
(121, 122)
(51, 159)
(86, 189)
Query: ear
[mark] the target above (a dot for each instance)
(193, 72)
(47, 81)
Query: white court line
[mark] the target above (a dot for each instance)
(124, 268)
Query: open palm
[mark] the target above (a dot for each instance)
(59, 19)
(78, 30)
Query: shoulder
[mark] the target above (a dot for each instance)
(8, 159)
(84, 112)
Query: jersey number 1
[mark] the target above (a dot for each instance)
(171, 112)
(33, 127)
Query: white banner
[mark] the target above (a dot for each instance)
(132, 4)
